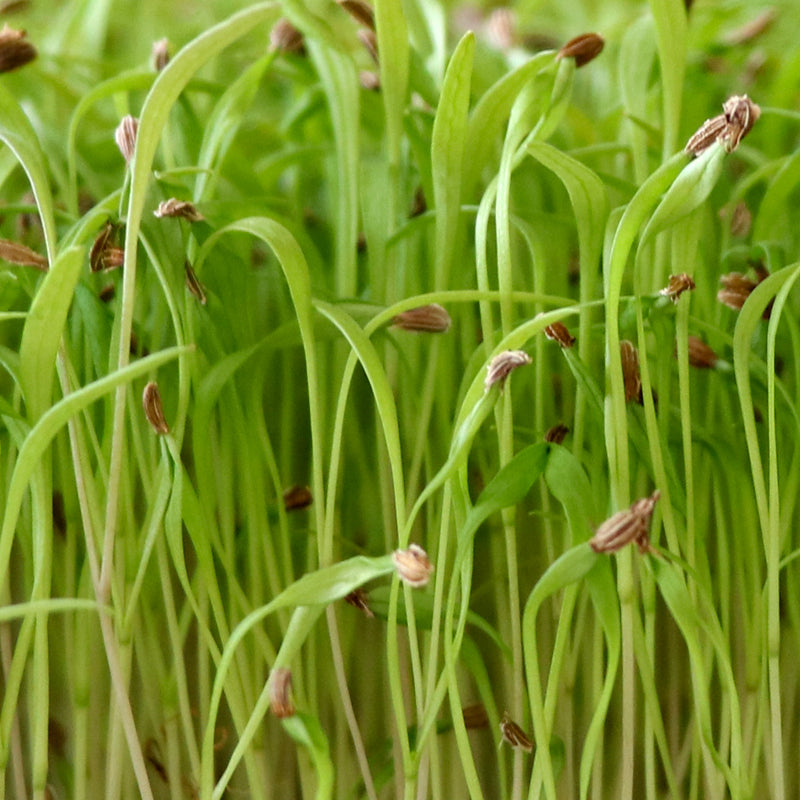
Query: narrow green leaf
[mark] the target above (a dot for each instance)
(491, 113)
(45, 430)
(447, 153)
(42, 332)
(685, 614)
(306, 731)
(224, 122)
(17, 133)
(393, 45)
(507, 488)
(689, 190)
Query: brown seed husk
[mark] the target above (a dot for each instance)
(360, 11)
(626, 526)
(16, 253)
(154, 409)
(193, 283)
(15, 50)
(502, 365)
(475, 716)
(701, 356)
(297, 497)
(513, 735)
(630, 371)
(739, 115)
(559, 332)
(431, 318)
(556, 434)
(285, 38)
(583, 48)
(178, 208)
(358, 599)
(678, 284)
(105, 255)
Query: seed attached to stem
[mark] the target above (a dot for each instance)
(502, 365)
(630, 371)
(193, 284)
(678, 284)
(358, 599)
(413, 566)
(556, 434)
(559, 332)
(285, 38)
(583, 48)
(280, 687)
(630, 525)
(701, 355)
(105, 255)
(125, 136)
(737, 287)
(15, 51)
(513, 735)
(154, 409)
(360, 11)
(178, 208)
(160, 54)
(424, 319)
(739, 115)
(297, 497)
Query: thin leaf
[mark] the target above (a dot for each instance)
(42, 332)
(447, 153)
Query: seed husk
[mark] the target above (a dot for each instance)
(583, 48)
(701, 356)
(559, 332)
(626, 526)
(15, 50)
(513, 735)
(502, 365)
(630, 371)
(475, 716)
(678, 284)
(154, 409)
(193, 284)
(360, 11)
(413, 566)
(369, 80)
(739, 115)
(125, 136)
(160, 54)
(285, 38)
(178, 208)
(16, 253)
(556, 434)
(431, 318)
(358, 599)
(105, 255)
(297, 497)
(280, 687)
